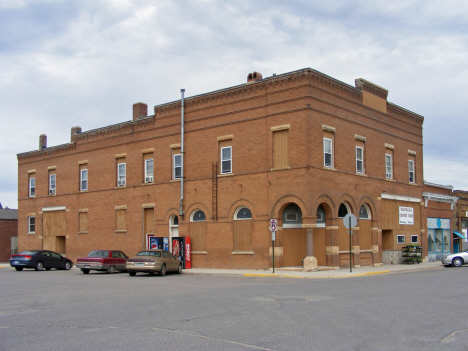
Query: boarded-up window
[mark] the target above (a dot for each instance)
(242, 238)
(149, 220)
(198, 236)
(281, 149)
(83, 220)
(121, 223)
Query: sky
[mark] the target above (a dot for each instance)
(85, 63)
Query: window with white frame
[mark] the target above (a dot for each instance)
(52, 184)
(414, 239)
(149, 167)
(84, 179)
(226, 160)
(388, 166)
(121, 174)
(359, 160)
(177, 166)
(400, 239)
(411, 171)
(327, 153)
(31, 224)
(32, 186)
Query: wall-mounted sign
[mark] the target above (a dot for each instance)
(406, 215)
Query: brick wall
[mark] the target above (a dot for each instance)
(8, 229)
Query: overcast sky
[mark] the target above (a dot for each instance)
(85, 63)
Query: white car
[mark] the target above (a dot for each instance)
(456, 260)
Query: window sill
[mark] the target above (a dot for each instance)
(199, 253)
(390, 180)
(51, 195)
(32, 197)
(329, 169)
(121, 187)
(120, 231)
(242, 253)
(84, 191)
(225, 175)
(31, 233)
(175, 180)
(280, 169)
(361, 174)
(144, 184)
(412, 183)
(83, 232)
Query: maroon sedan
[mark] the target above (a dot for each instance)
(103, 260)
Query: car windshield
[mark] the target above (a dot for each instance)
(98, 253)
(149, 253)
(28, 253)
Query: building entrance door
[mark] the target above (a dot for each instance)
(294, 246)
(55, 230)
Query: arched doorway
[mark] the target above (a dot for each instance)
(365, 235)
(173, 229)
(294, 236)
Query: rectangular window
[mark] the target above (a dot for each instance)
(359, 160)
(400, 239)
(83, 220)
(414, 239)
(177, 166)
(84, 180)
(388, 166)
(327, 153)
(32, 186)
(121, 219)
(121, 174)
(226, 160)
(281, 149)
(52, 184)
(149, 168)
(31, 224)
(411, 171)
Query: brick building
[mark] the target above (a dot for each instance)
(300, 147)
(8, 233)
(460, 221)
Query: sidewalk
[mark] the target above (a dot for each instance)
(297, 273)
(340, 273)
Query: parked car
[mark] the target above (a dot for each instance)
(152, 261)
(456, 259)
(102, 260)
(40, 259)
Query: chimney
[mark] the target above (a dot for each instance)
(140, 110)
(253, 77)
(74, 132)
(42, 141)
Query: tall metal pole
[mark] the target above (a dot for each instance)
(350, 265)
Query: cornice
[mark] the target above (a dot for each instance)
(54, 150)
(372, 88)
(402, 113)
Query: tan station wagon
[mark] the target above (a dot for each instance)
(152, 261)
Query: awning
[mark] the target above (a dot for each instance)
(460, 235)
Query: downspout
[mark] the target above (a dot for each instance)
(182, 105)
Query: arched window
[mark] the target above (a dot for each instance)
(242, 235)
(292, 216)
(321, 216)
(174, 221)
(364, 212)
(198, 216)
(343, 210)
(242, 213)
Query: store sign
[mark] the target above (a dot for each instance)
(406, 215)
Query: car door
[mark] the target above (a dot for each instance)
(56, 260)
(46, 259)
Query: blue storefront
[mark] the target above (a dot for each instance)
(439, 238)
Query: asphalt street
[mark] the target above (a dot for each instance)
(67, 310)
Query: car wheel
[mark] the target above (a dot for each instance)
(132, 274)
(457, 262)
(180, 269)
(85, 271)
(39, 266)
(19, 268)
(67, 265)
(163, 270)
(111, 270)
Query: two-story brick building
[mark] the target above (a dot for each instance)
(301, 147)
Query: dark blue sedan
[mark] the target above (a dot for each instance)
(40, 259)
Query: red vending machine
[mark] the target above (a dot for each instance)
(182, 250)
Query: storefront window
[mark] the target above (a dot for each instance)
(430, 240)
